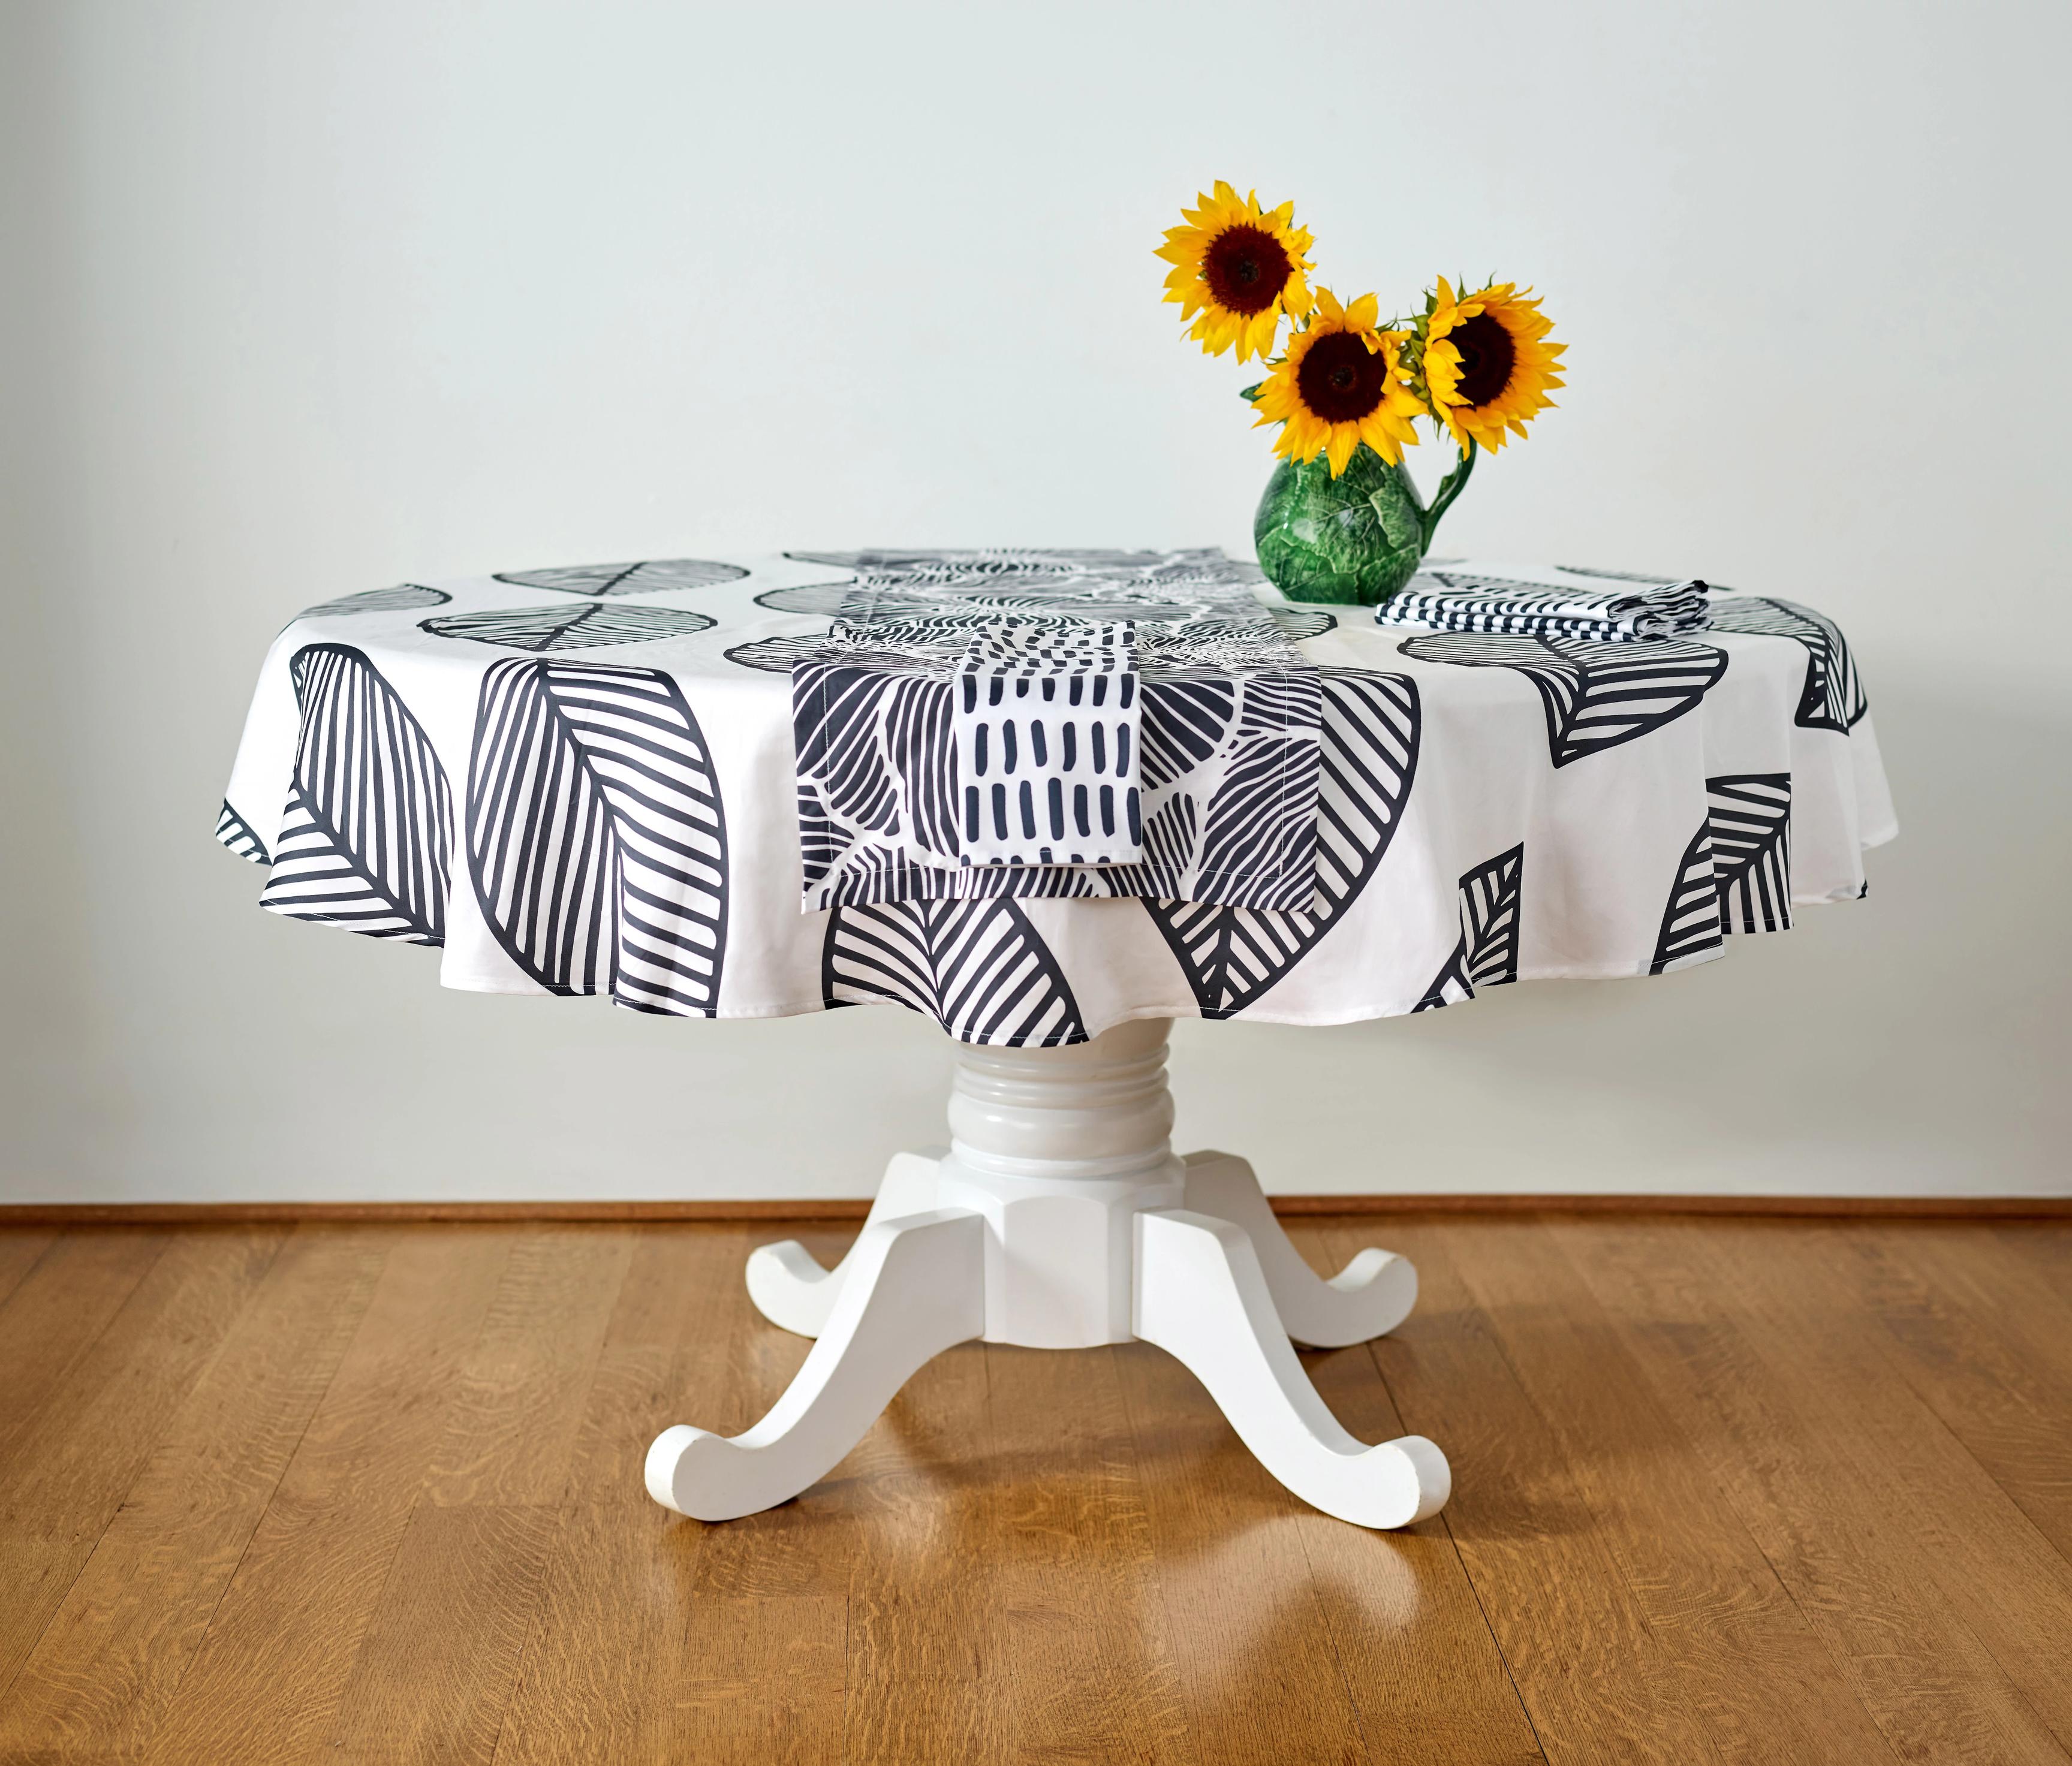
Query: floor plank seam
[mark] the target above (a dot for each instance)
(1849, 1668)
(1979, 1332)
(1467, 1574)
(1932, 1410)
(265, 1507)
(166, 1239)
(29, 1268)
(144, 1458)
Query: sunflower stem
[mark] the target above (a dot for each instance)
(1450, 487)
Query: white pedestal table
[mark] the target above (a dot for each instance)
(583, 780)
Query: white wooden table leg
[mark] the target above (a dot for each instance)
(1201, 1298)
(788, 1285)
(910, 1288)
(1368, 1298)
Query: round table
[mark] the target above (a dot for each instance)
(580, 780)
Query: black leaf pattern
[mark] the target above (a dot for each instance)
(366, 835)
(597, 840)
(979, 969)
(1487, 954)
(1596, 693)
(1171, 833)
(1368, 760)
(1736, 874)
(651, 578)
(1690, 920)
(1296, 623)
(369, 601)
(1183, 723)
(777, 656)
(876, 753)
(540, 630)
(1262, 819)
(1749, 818)
(1833, 697)
(821, 600)
(237, 833)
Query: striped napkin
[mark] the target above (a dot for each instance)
(1459, 601)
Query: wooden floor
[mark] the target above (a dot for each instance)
(1723, 1491)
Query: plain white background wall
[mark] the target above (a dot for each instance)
(305, 298)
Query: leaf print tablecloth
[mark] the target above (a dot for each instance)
(582, 780)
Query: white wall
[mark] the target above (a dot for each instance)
(308, 297)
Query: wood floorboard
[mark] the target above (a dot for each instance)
(927, 1598)
(1725, 1490)
(1996, 1574)
(1596, 1680)
(611, 1624)
(1793, 1441)
(757, 1671)
(1092, 1674)
(434, 1673)
(266, 1684)
(1712, 1602)
(1218, 1522)
(56, 1312)
(1430, 1682)
(68, 1470)
(109, 1663)
(20, 1250)
(1988, 1346)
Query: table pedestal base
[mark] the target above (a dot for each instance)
(1059, 1219)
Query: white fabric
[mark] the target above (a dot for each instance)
(583, 780)
(1045, 731)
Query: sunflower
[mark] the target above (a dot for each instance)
(1339, 386)
(1487, 363)
(1240, 267)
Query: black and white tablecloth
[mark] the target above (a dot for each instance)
(583, 780)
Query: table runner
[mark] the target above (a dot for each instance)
(582, 780)
(1231, 716)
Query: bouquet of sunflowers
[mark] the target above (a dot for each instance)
(1342, 520)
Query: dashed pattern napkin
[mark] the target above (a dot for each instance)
(1046, 742)
(1449, 600)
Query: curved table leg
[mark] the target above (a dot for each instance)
(910, 1288)
(1368, 1298)
(791, 1290)
(1201, 1298)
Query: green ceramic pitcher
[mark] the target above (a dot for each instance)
(1354, 539)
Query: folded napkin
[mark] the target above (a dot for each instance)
(1046, 741)
(1456, 600)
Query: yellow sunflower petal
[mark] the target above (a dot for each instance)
(1252, 331)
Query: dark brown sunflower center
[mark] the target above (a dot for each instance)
(1487, 356)
(1340, 379)
(1246, 269)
